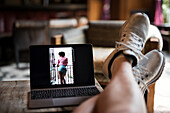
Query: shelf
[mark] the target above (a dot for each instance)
(3, 35)
(58, 7)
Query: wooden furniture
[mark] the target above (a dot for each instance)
(6, 45)
(165, 32)
(94, 9)
(121, 9)
(11, 11)
(154, 42)
(151, 44)
(31, 32)
(26, 33)
(14, 98)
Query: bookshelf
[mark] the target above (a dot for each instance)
(11, 11)
(43, 5)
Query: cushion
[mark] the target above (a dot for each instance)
(104, 33)
(99, 56)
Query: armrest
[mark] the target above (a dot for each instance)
(30, 24)
(155, 36)
(154, 40)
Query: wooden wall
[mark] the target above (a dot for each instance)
(94, 9)
(120, 9)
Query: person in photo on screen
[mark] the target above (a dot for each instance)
(62, 63)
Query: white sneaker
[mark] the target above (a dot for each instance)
(149, 69)
(132, 39)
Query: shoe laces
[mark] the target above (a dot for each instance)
(140, 73)
(134, 43)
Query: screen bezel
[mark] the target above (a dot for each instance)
(82, 60)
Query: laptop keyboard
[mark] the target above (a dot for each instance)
(70, 92)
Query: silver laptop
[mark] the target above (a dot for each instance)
(61, 75)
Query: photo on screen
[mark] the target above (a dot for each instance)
(61, 65)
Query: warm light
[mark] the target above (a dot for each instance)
(154, 39)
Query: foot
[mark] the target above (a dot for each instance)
(132, 39)
(149, 69)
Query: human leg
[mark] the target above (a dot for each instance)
(133, 53)
(87, 106)
(63, 79)
(62, 72)
(133, 35)
(119, 96)
(122, 95)
(124, 87)
(137, 26)
(147, 71)
(60, 76)
(132, 39)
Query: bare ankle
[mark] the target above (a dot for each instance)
(123, 58)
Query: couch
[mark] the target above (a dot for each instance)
(26, 33)
(35, 32)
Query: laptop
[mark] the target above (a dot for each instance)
(57, 80)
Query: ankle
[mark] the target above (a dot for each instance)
(123, 58)
(121, 64)
(120, 60)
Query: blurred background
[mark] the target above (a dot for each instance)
(74, 13)
(27, 22)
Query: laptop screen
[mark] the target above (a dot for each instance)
(54, 66)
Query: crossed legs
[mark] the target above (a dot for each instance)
(122, 94)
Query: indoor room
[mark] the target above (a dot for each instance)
(59, 24)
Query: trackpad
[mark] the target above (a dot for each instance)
(69, 100)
